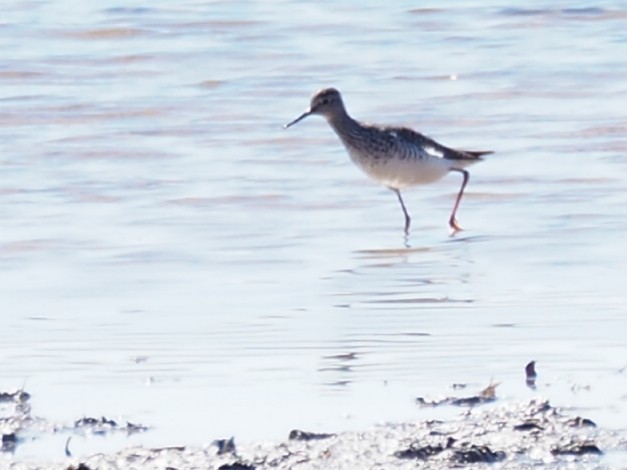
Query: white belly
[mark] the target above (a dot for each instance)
(399, 174)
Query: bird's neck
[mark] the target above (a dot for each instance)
(343, 125)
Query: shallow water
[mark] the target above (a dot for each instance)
(171, 255)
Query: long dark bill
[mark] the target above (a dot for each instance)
(299, 118)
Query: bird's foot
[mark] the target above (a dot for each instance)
(455, 227)
(407, 225)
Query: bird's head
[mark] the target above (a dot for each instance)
(326, 102)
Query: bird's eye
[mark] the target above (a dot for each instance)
(325, 101)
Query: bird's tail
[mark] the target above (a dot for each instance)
(474, 154)
(463, 158)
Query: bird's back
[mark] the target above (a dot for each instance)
(398, 156)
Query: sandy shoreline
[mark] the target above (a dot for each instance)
(512, 436)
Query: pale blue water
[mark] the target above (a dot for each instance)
(170, 254)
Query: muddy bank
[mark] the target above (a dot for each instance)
(514, 436)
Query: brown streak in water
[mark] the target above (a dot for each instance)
(391, 251)
(600, 132)
(105, 33)
(211, 84)
(132, 58)
(426, 11)
(17, 74)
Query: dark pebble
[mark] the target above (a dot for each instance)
(225, 446)
(9, 438)
(419, 452)
(478, 454)
(580, 422)
(89, 421)
(528, 426)
(577, 449)
(236, 466)
(9, 442)
(133, 428)
(297, 435)
(20, 396)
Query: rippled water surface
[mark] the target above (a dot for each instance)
(170, 254)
